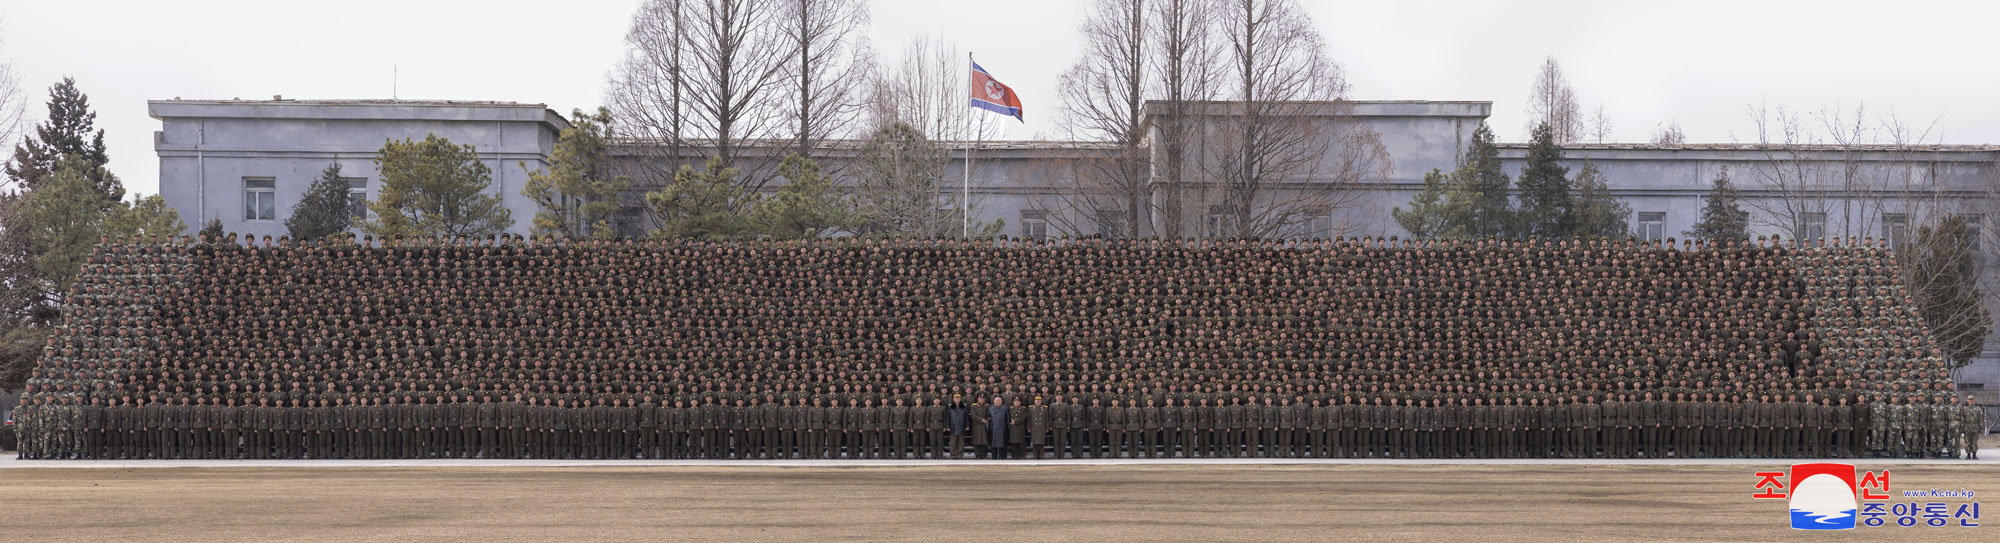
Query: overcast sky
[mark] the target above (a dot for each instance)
(1702, 64)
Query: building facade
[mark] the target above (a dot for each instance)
(247, 163)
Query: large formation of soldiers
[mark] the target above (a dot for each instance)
(900, 348)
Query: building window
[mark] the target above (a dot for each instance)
(1652, 226)
(1219, 221)
(1318, 225)
(1811, 227)
(357, 196)
(1111, 223)
(1896, 229)
(260, 199)
(1035, 225)
(1973, 224)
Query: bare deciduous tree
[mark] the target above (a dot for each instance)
(711, 70)
(1552, 102)
(1600, 125)
(13, 103)
(1669, 134)
(647, 90)
(925, 88)
(1284, 151)
(829, 64)
(1812, 177)
(1185, 71)
(1103, 99)
(925, 92)
(1916, 193)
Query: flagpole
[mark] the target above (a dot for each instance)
(965, 186)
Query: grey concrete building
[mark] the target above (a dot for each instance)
(248, 162)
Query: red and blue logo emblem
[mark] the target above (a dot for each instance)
(1822, 496)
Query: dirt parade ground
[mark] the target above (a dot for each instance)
(1192, 502)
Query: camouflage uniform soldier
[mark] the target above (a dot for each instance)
(1973, 425)
(1902, 427)
(1939, 433)
(1866, 427)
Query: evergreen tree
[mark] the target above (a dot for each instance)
(1479, 201)
(1722, 216)
(67, 140)
(1597, 213)
(69, 131)
(806, 207)
(325, 209)
(1546, 199)
(434, 188)
(577, 196)
(148, 217)
(1430, 214)
(701, 204)
(64, 219)
(1940, 269)
(212, 230)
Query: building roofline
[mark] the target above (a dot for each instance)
(856, 144)
(358, 109)
(1350, 108)
(1955, 148)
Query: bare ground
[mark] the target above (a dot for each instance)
(1062, 503)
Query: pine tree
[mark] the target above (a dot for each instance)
(806, 207)
(1479, 200)
(1546, 199)
(577, 195)
(67, 140)
(700, 204)
(211, 231)
(433, 188)
(147, 217)
(1940, 269)
(1723, 217)
(325, 210)
(69, 131)
(64, 219)
(1597, 213)
(1430, 214)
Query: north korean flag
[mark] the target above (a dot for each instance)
(989, 94)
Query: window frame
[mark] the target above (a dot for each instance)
(1650, 225)
(252, 197)
(352, 203)
(1035, 224)
(1814, 222)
